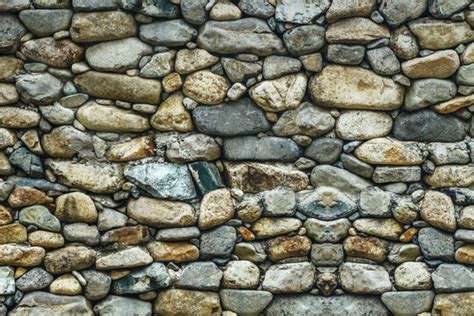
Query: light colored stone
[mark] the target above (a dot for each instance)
(267, 227)
(123, 259)
(56, 53)
(68, 259)
(216, 208)
(362, 278)
(356, 31)
(403, 43)
(465, 254)
(241, 274)
(289, 278)
(456, 304)
(343, 180)
(66, 284)
(438, 210)
(441, 64)
(389, 151)
(454, 104)
(172, 115)
(340, 9)
(286, 247)
(451, 176)
(15, 117)
(366, 247)
(46, 239)
(193, 147)
(362, 125)
(8, 94)
(384, 228)
(39, 88)
(396, 12)
(186, 302)
(137, 148)
(66, 141)
(53, 305)
(190, 60)
(205, 87)
(412, 276)
(173, 251)
(160, 65)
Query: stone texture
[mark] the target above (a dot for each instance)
(51, 304)
(441, 64)
(363, 278)
(205, 87)
(355, 31)
(362, 125)
(289, 278)
(388, 151)
(187, 302)
(265, 148)
(168, 33)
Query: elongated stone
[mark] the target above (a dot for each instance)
(364, 278)
(325, 203)
(265, 148)
(441, 64)
(356, 31)
(362, 125)
(51, 304)
(388, 151)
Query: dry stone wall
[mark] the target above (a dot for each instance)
(217, 157)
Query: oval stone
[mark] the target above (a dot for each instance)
(362, 125)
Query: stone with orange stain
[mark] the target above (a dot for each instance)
(26, 196)
(408, 235)
(388, 151)
(12, 233)
(246, 233)
(465, 254)
(451, 176)
(173, 251)
(172, 82)
(186, 302)
(454, 104)
(134, 149)
(441, 64)
(286, 247)
(366, 247)
(21, 256)
(356, 30)
(45, 239)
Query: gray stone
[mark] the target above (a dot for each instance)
(98, 284)
(304, 39)
(56, 114)
(152, 277)
(428, 126)
(258, 8)
(43, 303)
(465, 235)
(194, 11)
(163, 180)
(34, 279)
(11, 31)
(193, 147)
(444, 8)
(117, 56)
(449, 153)
(280, 201)
(375, 202)
(239, 71)
(408, 302)
(159, 65)
(383, 61)
(81, 232)
(396, 174)
(249, 35)
(204, 276)
(27, 161)
(240, 117)
(396, 12)
(343, 180)
(40, 184)
(241, 274)
(155, 8)
(436, 245)
(261, 149)
(245, 302)
(123, 258)
(412, 276)
(301, 12)
(345, 54)
(94, 5)
(289, 278)
(169, 33)
(66, 141)
(316, 305)
(14, 5)
(277, 66)
(453, 278)
(465, 75)
(327, 231)
(119, 305)
(46, 22)
(39, 216)
(363, 278)
(178, 234)
(425, 92)
(357, 166)
(7, 281)
(324, 150)
(327, 254)
(39, 88)
(218, 242)
(325, 203)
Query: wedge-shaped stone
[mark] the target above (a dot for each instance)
(111, 119)
(389, 151)
(119, 87)
(168, 33)
(43, 303)
(356, 31)
(255, 177)
(355, 88)
(341, 179)
(248, 35)
(362, 125)
(441, 64)
(441, 34)
(362, 278)
(186, 302)
(172, 115)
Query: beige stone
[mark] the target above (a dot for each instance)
(5, 166)
(172, 82)
(340, 9)
(119, 87)
(21, 256)
(68, 259)
(371, 248)
(125, 258)
(441, 64)
(45, 239)
(12, 233)
(466, 217)
(438, 210)
(224, 10)
(47, 50)
(356, 31)
(9, 68)
(190, 60)
(465, 254)
(137, 148)
(389, 151)
(467, 56)
(161, 213)
(362, 124)
(453, 304)
(267, 227)
(8, 94)
(75, 207)
(412, 276)
(7, 138)
(355, 88)
(26, 196)
(126, 236)
(172, 115)
(186, 302)
(403, 43)
(15, 117)
(385, 228)
(216, 208)
(66, 284)
(193, 147)
(66, 141)
(173, 251)
(454, 104)
(205, 87)
(451, 176)
(284, 93)
(288, 246)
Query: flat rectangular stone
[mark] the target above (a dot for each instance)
(396, 174)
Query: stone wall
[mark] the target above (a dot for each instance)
(276, 157)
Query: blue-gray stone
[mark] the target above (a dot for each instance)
(169, 33)
(408, 302)
(7, 281)
(304, 39)
(94, 5)
(218, 242)
(194, 11)
(204, 276)
(46, 22)
(206, 176)
(324, 150)
(118, 305)
(11, 31)
(39, 216)
(325, 203)
(27, 161)
(155, 276)
(245, 302)
(155, 8)
(435, 244)
(40, 184)
(163, 180)
(258, 8)
(240, 117)
(453, 278)
(261, 149)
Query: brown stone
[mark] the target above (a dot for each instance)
(9, 68)
(45, 239)
(66, 141)
(205, 87)
(356, 31)
(15, 117)
(68, 259)
(75, 207)
(465, 254)
(137, 148)
(126, 236)
(47, 50)
(286, 247)
(26, 196)
(267, 227)
(388, 151)
(453, 304)
(7, 138)
(366, 247)
(5, 216)
(441, 64)
(438, 210)
(20, 256)
(173, 251)
(454, 104)
(125, 258)
(172, 115)
(216, 208)
(451, 176)
(185, 302)
(12, 233)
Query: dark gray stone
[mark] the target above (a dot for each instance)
(261, 149)
(357, 166)
(152, 277)
(258, 8)
(46, 22)
(155, 8)
(33, 280)
(204, 276)
(206, 176)
(218, 242)
(345, 54)
(383, 61)
(425, 92)
(40, 184)
(325, 203)
(27, 161)
(305, 39)
(163, 180)
(324, 150)
(98, 284)
(396, 12)
(453, 278)
(169, 33)
(461, 196)
(194, 11)
(408, 302)
(245, 302)
(428, 126)
(241, 117)
(11, 31)
(118, 305)
(436, 245)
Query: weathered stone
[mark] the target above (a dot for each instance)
(51, 304)
(438, 210)
(82, 233)
(26, 196)
(425, 92)
(396, 12)
(173, 251)
(45, 22)
(265, 148)
(345, 54)
(245, 302)
(388, 151)
(160, 65)
(441, 64)
(362, 278)
(188, 60)
(412, 276)
(39, 88)
(172, 115)
(327, 254)
(465, 254)
(68, 259)
(287, 247)
(126, 236)
(187, 302)
(453, 278)
(11, 31)
(216, 209)
(324, 150)
(193, 147)
(169, 33)
(34, 279)
(178, 234)
(206, 176)
(466, 217)
(375, 202)
(280, 201)
(258, 8)
(14, 5)
(39, 216)
(218, 242)
(362, 125)
(435, 244)
(451, 176)
(327, 231)
(267, 227)
(131, 257)
(27, 161)
(137, 148)
(277, 66)
(45, 239)
(340, 9)
(65, 142)
(254, 251)
(241, 274)
(304, 39)
(366, 247)
(98, 284)
(159, 9)
(302, 12)
(408, 302)
(7, 281)
(204, 276)
(194, 11)
(354, 88)
(289, 278)
(14, 117)
(384, 228)
(94, 5)
(152, 277)
(75, 207)
(65, 284)
(444, 9)
(403, 43)
(383, 61)
(396, 174)
(325, 203)
(355, 31)
(19, 255)
(205, 87)
(456, 303)
(8, 94)
(343, 180)
(118, 304)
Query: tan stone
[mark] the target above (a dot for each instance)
(68, 259)
(7, 138)
(31, 139)
(454, 104)
(161, 213)
(190, 60)
(47, 50)
(453, 304)
(253, 177)
(366, 247)
(8, 94)
(466, 217)
(465, 254)
(441, 34)
(45, 239)
(119, 87)
(224, 10)
(172, 82)
(389, 151)
(451, 176)
(5, 216)
(91, 176)
(102, 26)
(267, 227)
(75, 207)
(403, 43)
(385, 228)
(9, 68)
(205, 87)
(5, 166)
(26, 196)
(173, 251)
(284, 93)
(441, 64)
(186, 302)
(125, 258)
(216, 208)
(126, 236)
(66, 284)
(137, 148)
(467, 56)
(12, 233)
(356, 31)
(362, 124)
(193, 147)
(172, 115)
(355, 88)
(286, 247)
(20, 256)
(438, 210)
(15, 117)
(340, 9)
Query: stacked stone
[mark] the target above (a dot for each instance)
(196, 157)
